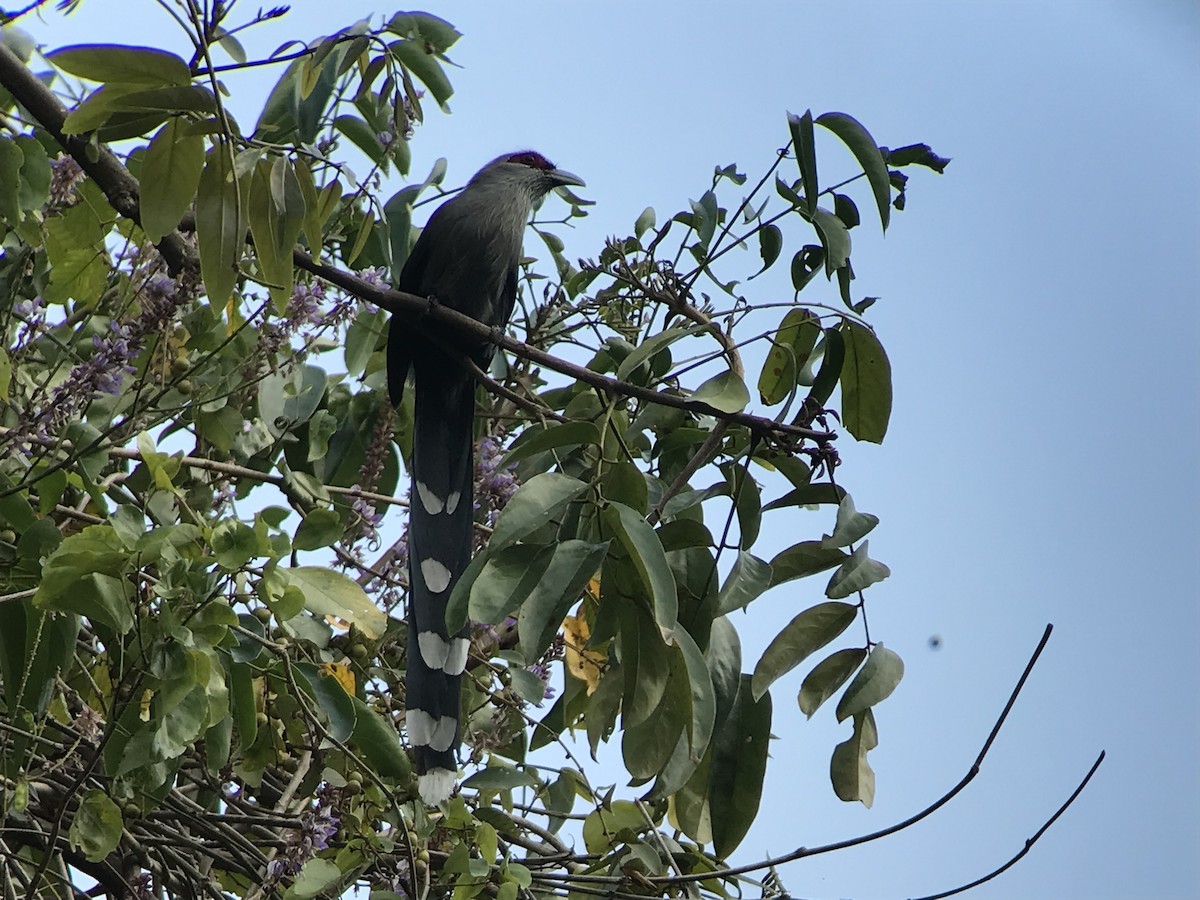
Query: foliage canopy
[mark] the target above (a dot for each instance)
(203, 670)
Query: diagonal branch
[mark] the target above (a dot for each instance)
(100, 163)
(122, 191)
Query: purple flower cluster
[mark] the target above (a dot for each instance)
(32, 316)
(318, 826)
(368, 519)
(142, 887)
(109, 363)
(304, 308)
(542, 671)
(103, 372)
(495, 483)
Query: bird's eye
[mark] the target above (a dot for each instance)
(531, 159)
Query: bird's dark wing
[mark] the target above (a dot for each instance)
(401, 338)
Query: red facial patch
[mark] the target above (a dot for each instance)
(532, 159)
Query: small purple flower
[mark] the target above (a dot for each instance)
(160, 286)
(373, 276)
(317, 827)
(542, 671)
(304, 308)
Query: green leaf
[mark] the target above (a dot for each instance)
(857, 573)
(605, 828)
(803, 559)
(572, 565)
(221, 224)
(221, 428)
(362, 337)
(553, 437)
(276, 216)
(601, 714)
(230, 45)
(240, 679)
(705, 214)
(333, 700)
(291, 399)
(528, 686)
(436, 33)
(182, 722)
(650, 348)
(35, 173)
(316, 876)
(703, 695)
(130, 525)
(77, 254)
(537, 501)
(123, 63)
(96, 828)
(647, 747)
(835, 239)
(683, 533)
(739, 762)
(330, 593)
(95, 109)
(748, 578)
(644, 660)
(849, 772)
(645, 550)
(35, 648)
(805, 264)
(234, 544)
(321, 527)
(15, 509)
(173, 100)
(169, 178)
(851, 525)
(867, 152)
(11, 160)
(415, 57)
(917, 155)
(499, 777)
(644, 222)
(86, 575)
(790, 349)
(845, 209)
(747, 502)
(362, 135)
(873, 684)
(770, 243)
(827, 676)
(380, 743)
(866, 384)
(805, 634)
(809, 495)
(506, 577)
(801, 128)
(725, 392)
(831, 368)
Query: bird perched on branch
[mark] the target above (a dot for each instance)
(467, 258)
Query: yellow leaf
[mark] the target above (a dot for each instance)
(586, 665)
(343, 674)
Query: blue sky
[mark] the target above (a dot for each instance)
(1039, 304)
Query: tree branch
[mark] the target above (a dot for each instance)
(100, 163)
(122, 191)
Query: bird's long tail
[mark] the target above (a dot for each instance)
(440, 529)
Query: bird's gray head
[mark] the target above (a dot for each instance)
(526, 170)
